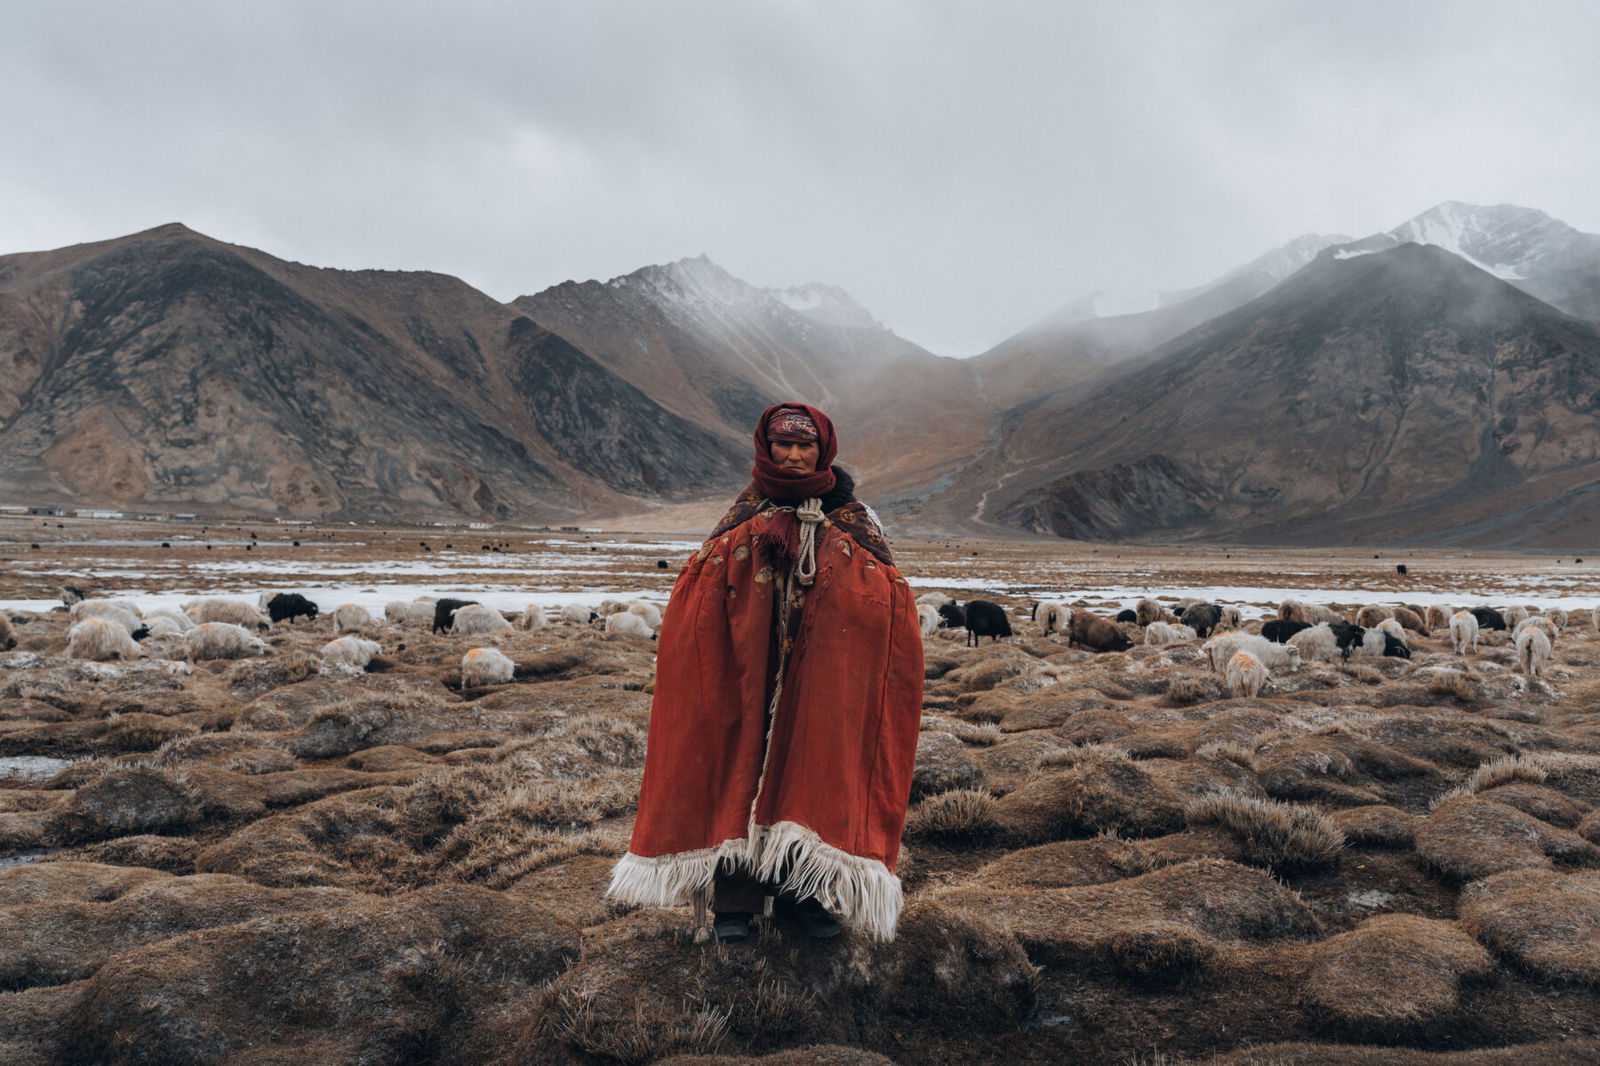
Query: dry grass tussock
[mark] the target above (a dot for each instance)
(961, 816)
(1280, 836)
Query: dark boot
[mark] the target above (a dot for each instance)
(732, 926)
(813, 919)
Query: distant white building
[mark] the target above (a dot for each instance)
(97, 514)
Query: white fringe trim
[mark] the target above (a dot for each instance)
(862, 892)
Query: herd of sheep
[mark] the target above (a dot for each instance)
(1248, 654)
(221, 628)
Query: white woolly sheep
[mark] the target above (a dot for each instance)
(1246, 675)
(611, 607)
(124, 614)
(99, 639)
(395, 611)
(628, 624)
(1558, 616)
(1533, 651)
(171, 614)
(1594, 620)
(349, 616)
(1162, 633)
(1280, 657)
(532, 617)
(222, 640)
(928, 618)
(648, 611)
(576, 614)
(233, 612)
(1317, 644)
(1463, 632)
(935, 599)
(164, 625)
(477, 620)
(1395, 630)
(1309, 613)
(1054, 617)
(1513, 615)
(1230, 619)
(1536, 622)
(419, 614)
(1370, 615)
(486, 666)
(351, 651)
(1439, 617)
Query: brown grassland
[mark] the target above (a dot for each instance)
(1107, 859)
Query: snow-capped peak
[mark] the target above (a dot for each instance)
(1511, 242)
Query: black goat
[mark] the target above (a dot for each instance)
(1279, 630)
(287, 606)
(952, 616)
(1128, 616)
(985, 619)
(1348, 637)
(444, 613)
(1489, 618)
(1202, 617)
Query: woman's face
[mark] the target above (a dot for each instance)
(792, 455)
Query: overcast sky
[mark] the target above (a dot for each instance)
(962, 169)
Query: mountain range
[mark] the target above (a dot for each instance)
(1438, 382)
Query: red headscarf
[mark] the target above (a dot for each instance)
(790, 486)
(780, 543)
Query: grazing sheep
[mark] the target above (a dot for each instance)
(985, 619)
(351, 651)
(287, 606)
(1410, 618)
(1370, 615)
(71, 594)
(1594, 620)
(444, 613)
(648, 611)
(1279, 630)
(1464, 632)
(474, 619)
(953, 616)
(1513, 615)
(420, 613)
(1274, 656)
(124, 614)
(1230, 619)
(1245, 675)
(611, 607)
(1558, 616)
(1378, 642)
(1160, 634)
(170, 615)
(233, 612)
(576, 614)
(99, 639)
(1201, 617)
(1439, 617)
(628, 624)
(1393, 627)
(928, 618)
(532, 617)
(486, 666)
(1489, 618)
(8, 639)
(164, 625)
(1148, 610)
(395, 611)
(935, 599)
(1311, 613)
(350, 616)
(1533, 651)
(1130, 617)
(222, 640)
(1536, 622)
(1054, 617)
(1096, 633)
(1349, 637)
(1316, 643)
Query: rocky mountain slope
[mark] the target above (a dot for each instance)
(167, 370)
(1399, 395)
(717, 351)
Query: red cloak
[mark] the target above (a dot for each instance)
(815, 799)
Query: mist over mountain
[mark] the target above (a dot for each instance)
(1437, 382)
